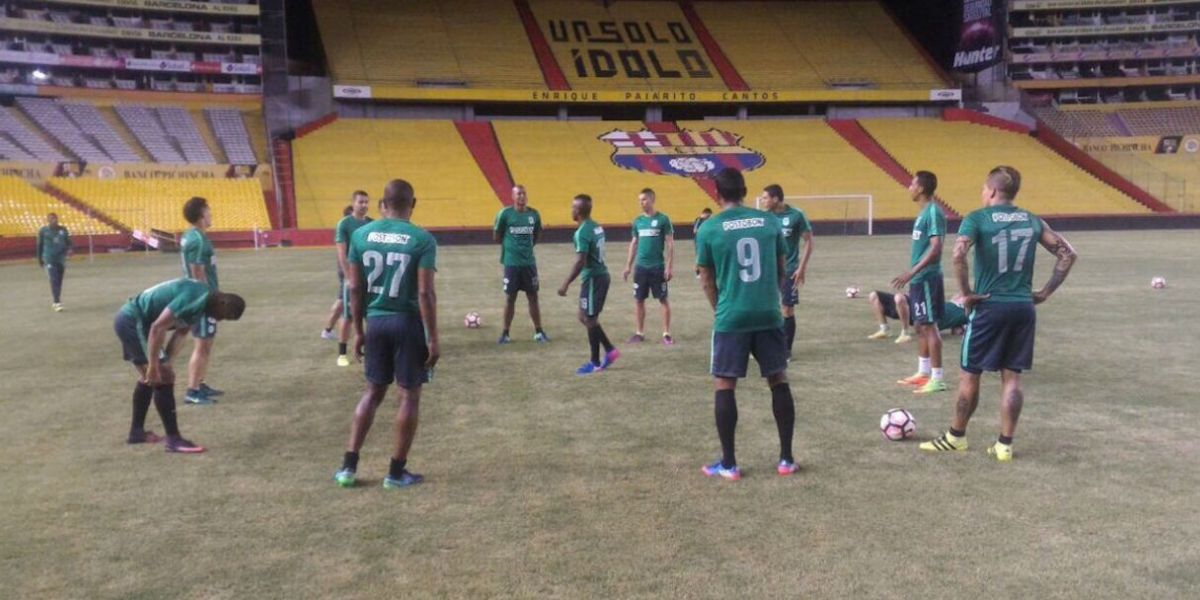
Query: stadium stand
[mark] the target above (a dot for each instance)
(180, 125)
(90, 122)
(1051, 185)
(230, 130)
(144, 124)
(23, 210)
(802, 45)
(51, 118)
(455, 43)
(143, 204)
(20, 142)
(352, 154)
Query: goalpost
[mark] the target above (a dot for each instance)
(856, 211)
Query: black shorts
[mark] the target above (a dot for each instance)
(999, 336)
(396, 351)
(592, 294)
(520, 279)
(926, 299)
(649, 281)
(789, 294)
(731, 352)
(887, 301)
(133, 342)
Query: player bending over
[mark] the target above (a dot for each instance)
(199, 264)
(589, 262)
(1002, 321)
(391, 264)
(926, 292)
(339, 305)
(887, 306)
(741, 254)
(653, 238)
(360, 204)
(143, 325)
(518, 228)
(53, 247)
(795, 228)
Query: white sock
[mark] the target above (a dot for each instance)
(937, 374)
(883, 327)
(923, 365)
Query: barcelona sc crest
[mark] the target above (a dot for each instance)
(684, 153)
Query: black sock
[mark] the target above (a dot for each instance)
(956, 433)
(141, 405)
(164, 403)
(785, 418)
(396, 468)
(725, 408)
(504, 333)
(538, 330)
(603, 337)
(350, 461)
(341, 348)
(328, 330)
(594, 344)
(789, 327)
(1005, 439)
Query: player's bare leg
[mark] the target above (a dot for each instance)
(364, 415)
(666, 317)
(343, 359)
(198, 364)
(931, 339)
(1011, 402)
(335, 313)
(968, 401)
(407, 417)
(902, 312)
(535, 315)
(922, 375)
(510, 309)
(881, 319)
(639, 316)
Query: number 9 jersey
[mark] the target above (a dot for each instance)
(1005, 239)
(389, 252)
(743, 247)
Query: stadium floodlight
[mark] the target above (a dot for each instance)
(40, 75)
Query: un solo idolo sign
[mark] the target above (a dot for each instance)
(981, 36)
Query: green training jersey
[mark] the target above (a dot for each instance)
(519, 230)
(953, 316)
(651, 233)
(53, 244)
(196, 249)
(1005, 239)
(743, 246)
(589, 240)
(389, 253)
(346, 227)
(794, 224)
(185, 297)
(930, 223)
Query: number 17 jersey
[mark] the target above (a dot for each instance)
(388, 253)
(1006, 239)
(743, 246)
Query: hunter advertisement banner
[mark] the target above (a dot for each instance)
(981, 36)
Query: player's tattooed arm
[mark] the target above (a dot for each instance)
(1065, 259)
(962, 272)
(708, 281)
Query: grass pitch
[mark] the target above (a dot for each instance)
(544, 484)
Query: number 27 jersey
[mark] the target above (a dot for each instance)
(389, 252)
(743, 246)
(1005, 239)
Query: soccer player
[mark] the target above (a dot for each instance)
(198, 263)
(1002, 323)
(653, 237)
(339, 306)
(888, 306)
(390, 278)
(704, 215)
(795, 229)
(589, 262)
(926, 293)
(143, 325)
(360, 204)
(742, 254)
(518, 228)
(53, 246)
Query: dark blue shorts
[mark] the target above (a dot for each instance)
(887, 301)
(133, 343)
(520, 279)
(789, 294)
(344, 295)
(592, 295)
(731, 352)
(205, 328)
(999, 336)
(926, 297)
(396, 351)
(650, 281)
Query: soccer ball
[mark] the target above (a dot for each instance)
(897, 424)
(1158, 283)
(472, 320)
(852, 292)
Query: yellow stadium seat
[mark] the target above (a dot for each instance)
(142, 204)
(23, 210)
(961, 154)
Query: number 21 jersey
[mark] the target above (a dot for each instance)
(389, 252)
(743, 246)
